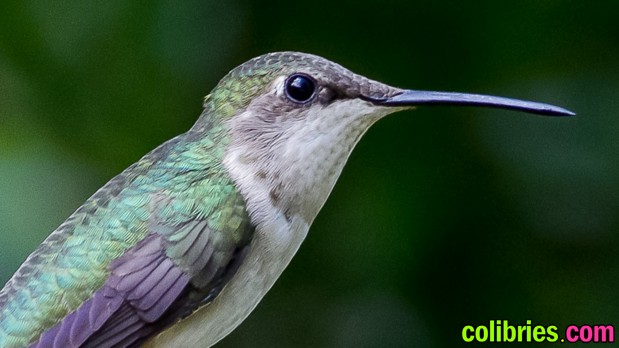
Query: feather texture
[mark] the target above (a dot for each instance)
(145, 250)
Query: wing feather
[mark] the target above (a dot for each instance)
(91, 284)
(147, 290)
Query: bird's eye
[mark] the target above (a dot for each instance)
(300, 88)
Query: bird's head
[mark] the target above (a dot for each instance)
(294, 118)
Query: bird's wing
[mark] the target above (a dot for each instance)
(136, 257)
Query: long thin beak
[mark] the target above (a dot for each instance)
(414, 98)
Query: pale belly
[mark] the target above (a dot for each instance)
(271, 250)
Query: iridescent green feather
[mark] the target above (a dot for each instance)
(72, 263)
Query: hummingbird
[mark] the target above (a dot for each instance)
(179, 248)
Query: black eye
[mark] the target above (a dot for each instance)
(300, 88)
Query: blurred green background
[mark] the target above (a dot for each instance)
(443, 217)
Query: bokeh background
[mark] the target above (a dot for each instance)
(443, 217)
